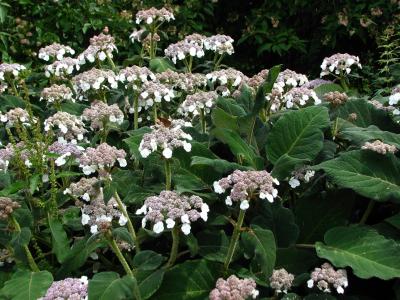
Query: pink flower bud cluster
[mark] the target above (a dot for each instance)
(154, 92)
(379, 147)
(326, 277)
(11, 70)
(16, 116)
(281, 281)
(99, 216)
(187, 82)
(65, 150)
(221, 44)
(193, 104)
(300, 96)
(95, 79)
(11, 151)
(63, 67)
(301, 174)
(288, 79)
(336, 98)
(183, 49)
(135, 76)
(7, 207)
(6, 155)
(245, 184)
(100, 47)
(234, 288)
(101, 157)
(173, 209)
(100, 114)
(154, 15)
(86, 188)
(227, 80)
(165, 139)
(68, 289)
(257, 80)
(57, 93)
(339, 64)
(55, 50)
(71, 128)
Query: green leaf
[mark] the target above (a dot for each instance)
(219, 165)
(149, 282)
(25, 285)
(368, 173)
(295, 260)
(108, 285)
(326, 88)
(34, 182)
(284, 166)
(60, 240)
(213, 245)
(238, 146)
(394, 221)
(230, 106)
(191, 280)
(147, 260)
(221, 119)
(363, 249)
(279, 220)
(260, 244)
(298, 134)
(161, 64)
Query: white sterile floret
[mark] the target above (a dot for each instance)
(174, 210)
(244, 205)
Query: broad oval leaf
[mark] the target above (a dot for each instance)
(147, 260)
(298, 134)
(368, 173)
(108, 285)
(59, 240)
(363, 249)
(25, 285)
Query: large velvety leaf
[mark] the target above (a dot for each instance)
(368, 173)
(60, 240)
(363, 249)
(238, 146)
(161, 64)
(108, 285)
(25, 285)
(213, 245)
(260, 244)
(295, 260)
(149, 282)
(147, 260)
(279, 220)
(298, 134)
(219, 165)
(326, 88)
(192, 280)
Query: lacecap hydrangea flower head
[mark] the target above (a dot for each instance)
(169, 209)
(234, 288)
(244, 185)
(339, 64)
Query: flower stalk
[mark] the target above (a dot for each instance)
(234, 240)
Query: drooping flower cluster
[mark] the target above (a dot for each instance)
(379, 147)
(301, 174)
(10, 70)
(154, 92)
(201, 101)
(101, 46)
(68, 289)
(102, 157)
(7, 207)
(234, 288)
(154, 15)
(221, 44)
(65, 150)
(187, 82)
(55, 50)
(336, 98)
(100, 113)
(63, 67)
(173, 209)
(246, 184)
(326, 277)
(300, 96)
(99, 216)
(165, 139)
(183, 49)
(56, 93)
(339, 64)
(281, 281)
(85, 188)
(16, 116)
(95, 79)
(71, 128)
(135, 76)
